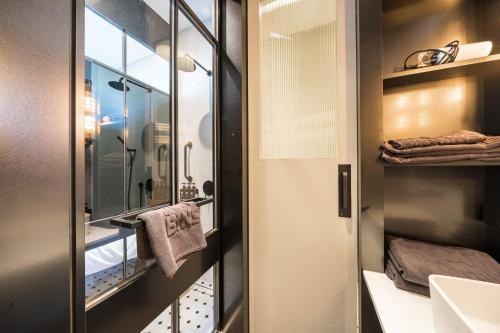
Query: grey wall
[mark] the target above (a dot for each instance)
(35, 176)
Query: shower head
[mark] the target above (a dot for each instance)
(118, 85)
(186, 63)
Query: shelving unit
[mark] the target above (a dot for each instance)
(442, 72)
(450, 203)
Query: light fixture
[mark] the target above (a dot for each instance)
(89, 107)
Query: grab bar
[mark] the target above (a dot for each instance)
(187, 161)
(131, 222)
(162, 149)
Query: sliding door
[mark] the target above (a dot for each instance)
(303, 152)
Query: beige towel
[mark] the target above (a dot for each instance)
(462, 137)
(172, 233)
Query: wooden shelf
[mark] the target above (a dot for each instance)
(447, 164)
(398, 310)
(442, 72)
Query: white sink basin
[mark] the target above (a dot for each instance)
(464, 306)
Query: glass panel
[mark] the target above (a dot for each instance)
(195, 118)
(103, 264)
(205, 11)
(196, 306)
(104, 259)
(298, 79)
(148, 147)
(138, 116)
(104, 123)
(103, 40)
(146, 20)
(127, 129)
(161, 324)
(148, 66)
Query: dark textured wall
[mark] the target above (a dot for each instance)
(231, 158)
(35, 156)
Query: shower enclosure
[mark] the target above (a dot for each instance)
(149, 134)
(128, 153)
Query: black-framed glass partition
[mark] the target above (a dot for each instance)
(150, 137)
(195, 117)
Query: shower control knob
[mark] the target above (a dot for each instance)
(208, 187)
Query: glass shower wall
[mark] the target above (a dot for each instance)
(205, 10)
(148, 140)
(104, 126)
(195, 118)
(197, 305)
(128, 106)
(127, 130)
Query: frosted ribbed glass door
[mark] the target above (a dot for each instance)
(298, 79)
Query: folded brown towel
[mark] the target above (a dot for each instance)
(172, 233)
(417, 260)
(483, 156)
(399, 282)
(488, 145)
(467, 137)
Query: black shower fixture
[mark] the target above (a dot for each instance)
(132, 152)
(209, 72)
(188, 64)
(118, 85)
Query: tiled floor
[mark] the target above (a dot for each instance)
(196, 312)
(99, 282)
(197, 309)
(196, 305)
(162, 323)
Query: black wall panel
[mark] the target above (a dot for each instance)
(35, 165)
(231, 167)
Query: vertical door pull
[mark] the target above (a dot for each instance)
(187, 161)
(344, 175)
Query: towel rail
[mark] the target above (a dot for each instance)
(131, 222)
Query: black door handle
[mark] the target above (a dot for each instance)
(344, 175)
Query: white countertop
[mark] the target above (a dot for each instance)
(398, 311)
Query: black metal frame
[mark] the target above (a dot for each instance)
(130, 221)
(133, 306)
(99, 316)
(57, 279)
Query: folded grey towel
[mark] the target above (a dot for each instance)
(172, 233)
(399, 282)
(488, 145)
(461, 137)
(417, 260)
(483, 156)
